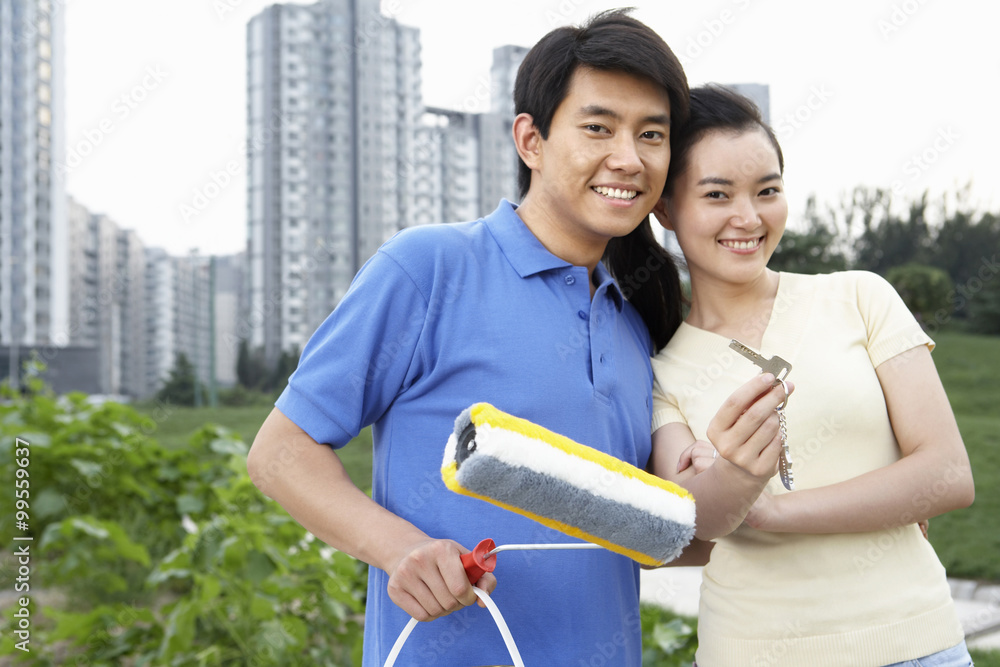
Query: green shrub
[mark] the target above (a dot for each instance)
(165, 557)
(925, 290)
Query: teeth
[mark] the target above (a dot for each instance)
(616, 193)
(742, 245)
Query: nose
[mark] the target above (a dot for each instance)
(744, 214)
(624, 155)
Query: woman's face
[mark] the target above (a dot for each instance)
(728, 208)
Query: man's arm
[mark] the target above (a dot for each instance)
(308, 480)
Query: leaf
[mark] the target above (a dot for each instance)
(259, 566)
(158, 576)
(48, 503)
(228, 444)
(36, 439)
(210, 589)
(262, 609)
(86, 525)
(672, 635)
(188, 504)
(86, 468)
(180, 629)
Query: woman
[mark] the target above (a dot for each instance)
(837, 571)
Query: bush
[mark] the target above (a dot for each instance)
(165, 557)
(924, 289)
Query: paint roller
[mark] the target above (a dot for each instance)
(575, 489)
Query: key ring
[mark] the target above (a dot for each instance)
(782, 405)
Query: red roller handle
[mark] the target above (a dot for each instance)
(476, 563)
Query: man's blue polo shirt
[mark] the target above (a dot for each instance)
(445, 316)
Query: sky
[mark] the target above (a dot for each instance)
(898, 94)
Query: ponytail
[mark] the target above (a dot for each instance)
(648, 277)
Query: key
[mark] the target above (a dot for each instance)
(775, 365)
(780, 369)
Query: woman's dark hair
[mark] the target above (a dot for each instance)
(609, 41)
(714, 108)
(648, 277)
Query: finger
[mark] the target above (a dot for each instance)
(416, 600)
(758, 423)
(456, 589)
(703, 462)
(434, 577)
(740, 400)
(487, 583)
(685, 460)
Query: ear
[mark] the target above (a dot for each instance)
(527, 140)
(660, 211)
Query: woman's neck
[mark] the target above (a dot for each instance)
(739, 311)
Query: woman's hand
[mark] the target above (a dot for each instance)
(699, 455)
(745, 429)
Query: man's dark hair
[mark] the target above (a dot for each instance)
(612, 41)
(609, 41)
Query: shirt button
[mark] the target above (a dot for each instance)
(602, 358)
(570, 280)
(582, 314)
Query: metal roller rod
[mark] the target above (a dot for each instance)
(529, 547)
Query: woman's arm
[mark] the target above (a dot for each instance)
(745, 433)
(932, 477)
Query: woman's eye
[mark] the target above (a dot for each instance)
(715, 195)
(652, 134)
(596, 128)
(769, 191)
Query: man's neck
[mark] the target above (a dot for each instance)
(559, 238)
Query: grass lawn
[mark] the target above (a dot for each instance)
(176, 424)
(967, 541)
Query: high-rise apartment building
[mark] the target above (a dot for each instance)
(760, 93)
(503, 74)
(34, 283)
(333, 94)
(109, 299)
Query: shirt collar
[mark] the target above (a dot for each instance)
(528, 256)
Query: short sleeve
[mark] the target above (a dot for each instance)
(891, 327)
(665, 407)
(360, 358)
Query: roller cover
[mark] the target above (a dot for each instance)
(573, 488)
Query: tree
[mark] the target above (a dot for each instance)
(984, 302)
(251, 371)
(817, 250)
(287, 363)
(893, 240)
(924, 290)
(179, 388)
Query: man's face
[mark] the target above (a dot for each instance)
(604, 163)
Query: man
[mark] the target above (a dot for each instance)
(516, 310)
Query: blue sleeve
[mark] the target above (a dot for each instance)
(360, 358)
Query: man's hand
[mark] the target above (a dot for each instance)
(430, 582)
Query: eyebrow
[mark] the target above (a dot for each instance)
(717, 180)
(598, 110)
